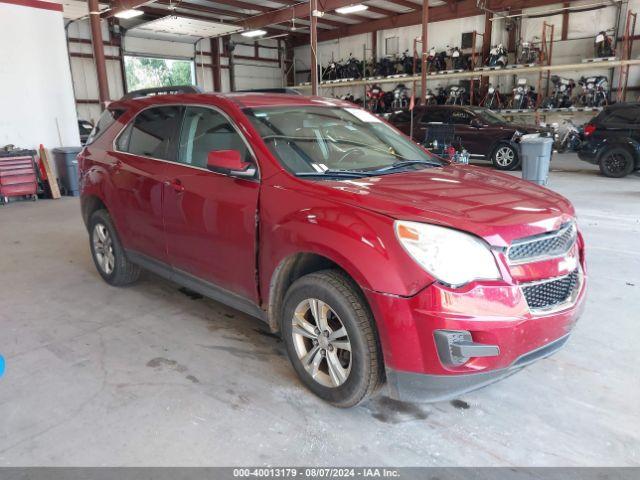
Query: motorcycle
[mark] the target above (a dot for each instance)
(352, 68)
(569, 138)
(331, 72)
(386, 67)
(497, 57)
(400, 97)
(406, 63)
(458, 60)
(561, 96)
(431, 98)
(528, 53)
(595, 91)
(492, 100)
(524, 97)
(375, 99)
(436, 61)
(603, 45)
(456, 95)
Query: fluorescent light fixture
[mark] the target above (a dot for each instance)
(129, 14)
(351, 9)
(254, 33)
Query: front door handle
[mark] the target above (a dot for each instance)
(176, 184)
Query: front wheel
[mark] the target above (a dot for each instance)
(617, 162)
(505, 157)
(331, 339)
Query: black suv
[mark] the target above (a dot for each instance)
(612, 140)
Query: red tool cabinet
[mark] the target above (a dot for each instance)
(17, 177)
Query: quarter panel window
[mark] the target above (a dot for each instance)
(205, 130)
(152, 132)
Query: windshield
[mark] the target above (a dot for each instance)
(316, 140)
(492, 118)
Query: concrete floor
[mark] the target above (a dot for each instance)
(148, 376)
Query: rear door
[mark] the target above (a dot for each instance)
(432, 118)
(209, 217)
(138, 171)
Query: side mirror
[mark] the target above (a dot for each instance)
(476, 123)
(230, 162)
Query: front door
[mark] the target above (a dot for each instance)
(470, 136)
(210, 218)
(138, 169)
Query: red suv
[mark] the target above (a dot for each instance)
(376, 261)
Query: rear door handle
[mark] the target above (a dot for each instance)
(176, 184)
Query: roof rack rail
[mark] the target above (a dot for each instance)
(147, 92)
(287, 90)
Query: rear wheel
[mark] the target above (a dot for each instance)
(505, 157)
(107, 252)
(331, 339)
(616, 162)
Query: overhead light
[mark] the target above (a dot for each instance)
(351, 9)
(254, 33)
(129, 13)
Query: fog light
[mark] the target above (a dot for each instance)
(456, 347)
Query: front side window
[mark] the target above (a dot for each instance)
(152, 133)
(318, 140)
(205, 130)
(460, 117)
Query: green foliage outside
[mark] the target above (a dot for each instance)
(142, 72)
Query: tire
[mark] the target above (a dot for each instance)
(505, 157)
(107, 252)
(360, 371)
(616, 162)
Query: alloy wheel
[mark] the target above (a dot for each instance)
(615, 163)
(321, 342)
(103, 248)
(505, 156)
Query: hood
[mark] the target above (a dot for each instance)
(495, 206)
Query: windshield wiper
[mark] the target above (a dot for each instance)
(407, 163)
(336, 173)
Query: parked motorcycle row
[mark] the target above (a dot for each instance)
(453, 58)
(594, 92)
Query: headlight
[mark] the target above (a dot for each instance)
(451, 256)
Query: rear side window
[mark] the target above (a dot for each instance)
(152, 133)
(108, 118)
(437, 115)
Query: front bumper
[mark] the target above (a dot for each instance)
(420, 387)
(494, 314)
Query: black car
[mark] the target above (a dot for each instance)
(482, 132)
(612, 140)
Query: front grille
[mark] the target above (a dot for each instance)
(549, 294)
(548, 245)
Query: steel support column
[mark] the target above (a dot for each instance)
(313, 7)
(98, 52)
(425, 25)
(215, 64)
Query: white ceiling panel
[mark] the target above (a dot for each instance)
(177, 25)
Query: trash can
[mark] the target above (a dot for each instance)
(67, 167)
(536, 157)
